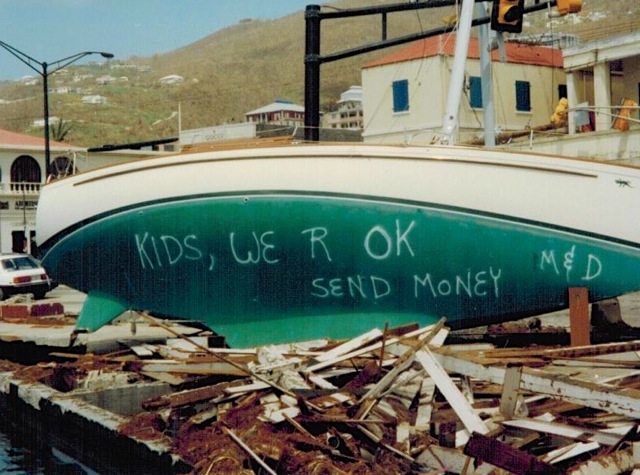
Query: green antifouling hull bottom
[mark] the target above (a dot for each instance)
(274, 268)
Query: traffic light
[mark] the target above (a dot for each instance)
(507, 15)
(569, 6)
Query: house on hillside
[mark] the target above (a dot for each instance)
(171, 80)
(349, 114)
(28, 80)
(405, 92)
(280, 112)
(94, 99)
(104, 80)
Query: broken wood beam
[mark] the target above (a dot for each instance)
(624, 401)
(579, 322)
(506, 457)
(450, 391)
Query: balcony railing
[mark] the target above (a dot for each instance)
(21, 188)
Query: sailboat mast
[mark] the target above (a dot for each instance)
(452, 110)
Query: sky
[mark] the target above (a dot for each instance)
(49, 30)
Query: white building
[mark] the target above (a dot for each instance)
(22, 174)
(349, 114)
(94, 99)
(405, 92)
(171, 80)
(600, 75)
(104, 80)
(279, 112)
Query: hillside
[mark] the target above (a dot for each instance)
(238, 69)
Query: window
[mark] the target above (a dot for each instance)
(523, 96)
(475, 92)
(25, 169)
(401, 96)
(562, 91)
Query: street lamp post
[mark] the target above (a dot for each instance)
(43, 70)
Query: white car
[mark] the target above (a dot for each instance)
(22, 274)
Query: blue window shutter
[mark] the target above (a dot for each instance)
(475, 92)
(401, 95)
(523, 96)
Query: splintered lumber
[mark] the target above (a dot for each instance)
(450, 391)
(574, 352)
(189, 396)
(445, 459)
(570, 451)
(510, 393)
(403, 362)
(425, 408)
(564, 430)
(190, 367)
(350, 345)
(318, 365)
(610, 464)
(506, 457)
(599, 396)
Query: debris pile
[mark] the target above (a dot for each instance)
(387, 402)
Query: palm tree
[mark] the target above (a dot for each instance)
(60, 129)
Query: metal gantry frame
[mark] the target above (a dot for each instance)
(313, 58)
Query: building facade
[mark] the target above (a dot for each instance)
(602, 76)
(23, 174)
(349, 114)
(405, 93)
(280, 112)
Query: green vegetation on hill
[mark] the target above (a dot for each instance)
(233, 71)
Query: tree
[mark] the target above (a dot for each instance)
(60, 129)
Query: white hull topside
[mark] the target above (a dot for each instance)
(585, 196)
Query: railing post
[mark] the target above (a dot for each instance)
(312, 74)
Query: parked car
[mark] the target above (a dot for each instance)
(22, 274)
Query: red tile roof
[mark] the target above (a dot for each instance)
(445, 44)
(13, 138)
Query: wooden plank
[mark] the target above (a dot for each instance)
(564, 430)
(368, 349)
(510, 391)
(165, 366)
(506, 457)
(402, 363)
(444, 459)
(578, 352)
(423, 417)
(571, 451)
(606, 397)
(611, 464)
(165, 377)
(350, 345)
(258, 386)
(580, 324)
(450, 391)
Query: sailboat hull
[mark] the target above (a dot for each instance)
(268, 261)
